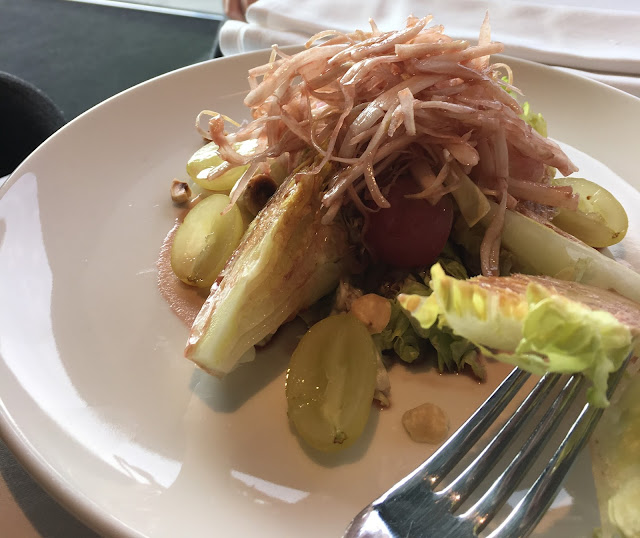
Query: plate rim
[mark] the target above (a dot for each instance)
(46, 475)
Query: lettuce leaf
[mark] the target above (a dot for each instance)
(537, 323)
(451, 263)
(399, 336)
(455, 352)
(535, 120)
(408, 338)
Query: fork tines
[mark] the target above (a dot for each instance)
(413, 507)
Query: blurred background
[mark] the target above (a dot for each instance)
(80, 53)
(202, 6)
(58, 58)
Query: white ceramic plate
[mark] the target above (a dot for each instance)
(96, 400)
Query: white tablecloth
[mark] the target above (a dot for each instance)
(596, 38)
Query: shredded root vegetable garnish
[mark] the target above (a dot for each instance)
(380, 104)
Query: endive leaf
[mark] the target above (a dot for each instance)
(287, 260)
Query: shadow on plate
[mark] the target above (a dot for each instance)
(349, 455)
(230, 393)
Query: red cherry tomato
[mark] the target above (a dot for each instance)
(411, 232)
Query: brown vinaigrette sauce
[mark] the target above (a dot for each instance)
(185, 301)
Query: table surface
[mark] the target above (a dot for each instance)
(132, 46)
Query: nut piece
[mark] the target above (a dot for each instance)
(345, 295)
(372, 310)
(180, 192)
(259, 189)
(383, 385)
(426, 423)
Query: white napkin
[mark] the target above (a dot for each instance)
(600, 43)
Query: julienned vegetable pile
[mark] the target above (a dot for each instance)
(379, 172)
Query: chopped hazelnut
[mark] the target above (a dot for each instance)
(259, 189)
(180, 192)
(426, 423)
(372, 310)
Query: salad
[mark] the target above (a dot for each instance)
(392, 191)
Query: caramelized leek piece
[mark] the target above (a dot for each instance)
(287, 260)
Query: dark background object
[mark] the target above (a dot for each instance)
(80, 54)
(27, 118)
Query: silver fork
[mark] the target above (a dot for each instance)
(412, 508)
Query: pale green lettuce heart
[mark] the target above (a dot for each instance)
(527, 322)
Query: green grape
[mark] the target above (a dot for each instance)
(331, 381)
(600, 220)
(205, 241)
(208, 157)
